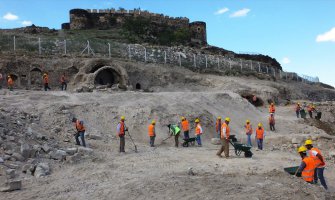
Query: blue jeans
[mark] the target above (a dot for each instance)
(186, 135)
(318, 174)
(82, 137)
(260, 144)
(249, 140)
(198, 138)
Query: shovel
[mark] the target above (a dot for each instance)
(132, 141)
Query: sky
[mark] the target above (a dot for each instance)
(299, 34)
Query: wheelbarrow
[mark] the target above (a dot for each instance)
(293, 170)
(239, 147)
(189, 141)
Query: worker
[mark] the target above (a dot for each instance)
(310, 109)
(63, 82)
(46, 82)
(121, 131)
(152, 133)
(320, 164)
(272, 122)
(10, 83)
(174, 130)
(80, 131)
(186, 127)
(198, 131)
(307, 166)
(218, 127)
(225, 134)
(272, 108)
(297, 109)
(260, 135)
(248, 131)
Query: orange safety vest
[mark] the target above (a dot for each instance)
(297, 108)
(218, 125)
(10, 82)
(151, 130)
(248, 129)
(272, 120)
(185, 125)
(272, 109)
(260, 133)
(310, 108)
(46, 79)
(316, 159)
(121, 132)
(198, 129)
(79, 127)
(62, 79)
(225, 134)
(308, 172)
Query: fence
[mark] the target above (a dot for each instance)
(190, 58)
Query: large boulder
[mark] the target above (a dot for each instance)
(58, 155)
(11, 186)
(71, 151)
(42, 169)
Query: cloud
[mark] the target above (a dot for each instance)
(10, 16)
(286, 60)
(241, 13)
(26, 23)
(221, 11)
(328, 36)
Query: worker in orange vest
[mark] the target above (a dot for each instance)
(10, 83)
(186, 127)
(320, 164)
(121, 131)
(297, 109)
(272, 122)
(260, 135)
(248, 132)
(225, 133)
(198, 131)
(80, 131)
(310, 109)
(152, 133)
(218, 125)
(272, 108)
(63, 82)
(307, 166)
(46, 82)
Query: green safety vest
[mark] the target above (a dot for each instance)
(175, 129)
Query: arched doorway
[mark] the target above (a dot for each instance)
(106, 76)
(35, 76)
(138, 86)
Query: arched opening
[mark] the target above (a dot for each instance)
(96, 67)
(36, 76)
(107, 77)
(254, 100)
(138, 86)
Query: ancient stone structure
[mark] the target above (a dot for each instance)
(81, 19)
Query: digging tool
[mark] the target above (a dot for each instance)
(132, 141)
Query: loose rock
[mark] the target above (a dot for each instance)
(11, 186)
(42, 169)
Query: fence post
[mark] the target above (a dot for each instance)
(259, 67)
(39, 46)
(179, 58)
(88, 47)
(230, 65)
(145, 54)
(65, 47)
(109, 50)
(241, 65)
(218, 63)
(194, 60)
(267, 69)
(279, 74)
(129, 53)
(164, 57)
(274, 72)
(251, 65)
(206, 60)
(14, 43)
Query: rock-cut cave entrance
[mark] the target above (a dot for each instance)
(107, 76)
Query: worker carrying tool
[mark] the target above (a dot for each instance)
(198, 131)
(297, 109)
(272, 122)
(46, 82)
(186, 127)
(174, 130)
(218, 125)
(10, 83)
(260, 135)
(225, 133)
(80, 131)
(248, 132)
(307, 166)
(320, 164)
(272, 108)
(152, 133)
(121, 130)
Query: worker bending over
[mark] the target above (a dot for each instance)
(307, 166)
(174, 130)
